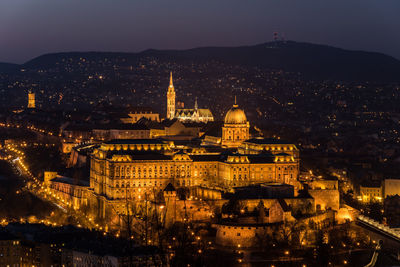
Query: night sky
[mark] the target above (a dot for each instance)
(29, 28)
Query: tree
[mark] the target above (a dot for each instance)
(322, 249)
(234, 206)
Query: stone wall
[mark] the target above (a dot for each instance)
(240, 236)
(391, 187)
(325, 198)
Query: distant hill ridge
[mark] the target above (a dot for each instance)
(314, 61)
(5, 67)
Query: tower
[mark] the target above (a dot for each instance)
(171, 99)
(196, 115)
(170, 204)
(31, 100)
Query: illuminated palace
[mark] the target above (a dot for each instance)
(135, 169)
(131, 168)
(196, 114)
(130, 165)
(121, 169)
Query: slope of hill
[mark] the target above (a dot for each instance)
(313, 61)
(5, 67)
(319, 62)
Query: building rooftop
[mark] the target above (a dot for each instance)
(121, 126)
(169, 188)
(267, 141)
(68, 180)
(134, 141)
(261, 158)
(264, 191)
(140, 155)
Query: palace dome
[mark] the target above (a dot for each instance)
(235, 116)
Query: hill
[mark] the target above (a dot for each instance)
(317, 62)
(6, 67)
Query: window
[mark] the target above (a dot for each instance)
(238, 234)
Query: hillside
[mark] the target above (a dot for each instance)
(317, 62)
(6, 67)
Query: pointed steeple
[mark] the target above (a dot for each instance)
(195, 104)
(171, 84)
(171, 99)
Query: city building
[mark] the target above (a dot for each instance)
(124, 169)
(188, 167)
(236, 127)
(270, 145)
(325, 193)
(391, 187)
(171, 99)
(136, 169)
(263, 210)
(39, 245)
(31, 100)
(196, 114)
(135, 114)
(74, 193)
(371, 191)
(131, 165)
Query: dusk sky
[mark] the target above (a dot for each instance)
(29, 28)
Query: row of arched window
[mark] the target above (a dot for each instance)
(142, 171)
(138, 184)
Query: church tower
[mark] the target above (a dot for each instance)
(196, 115)
(171, 99)
(31, 100)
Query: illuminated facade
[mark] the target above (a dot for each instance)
(196, 114)
(31, 100)
(137, 113)
(371, 193)
(268, 145)
(141, 169)
(122, 168)
(236, 127)
(69, 191)
(171, 99)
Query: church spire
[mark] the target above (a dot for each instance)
(171, 84)
(171, 99)
(195, 104)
